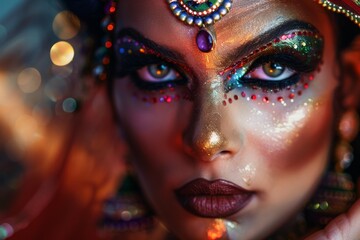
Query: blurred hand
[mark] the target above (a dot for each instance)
(344, 227)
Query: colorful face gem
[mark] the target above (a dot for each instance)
(205, 40)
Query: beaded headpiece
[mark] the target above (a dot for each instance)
(204, 13)
(351, 8)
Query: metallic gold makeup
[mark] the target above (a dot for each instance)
(295, 56)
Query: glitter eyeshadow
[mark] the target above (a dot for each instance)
(270, 96)
(305, 46)
(127, 46)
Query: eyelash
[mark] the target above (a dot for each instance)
(160, 85)
(266, 85)
(285, 60)
(284, 55)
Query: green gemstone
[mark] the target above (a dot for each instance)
(200, 7)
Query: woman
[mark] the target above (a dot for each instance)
(231, 126)
(238, 131)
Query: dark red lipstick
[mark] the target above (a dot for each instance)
(213, 199)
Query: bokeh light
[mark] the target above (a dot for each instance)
(69, 105)
(25, 129)
(62, 53)
(66, 25)
(29, 80)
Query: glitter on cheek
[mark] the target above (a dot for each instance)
(280, 129)
(247, 174)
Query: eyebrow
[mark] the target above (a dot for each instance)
(165, 52)
(266, 37)
(235, 55)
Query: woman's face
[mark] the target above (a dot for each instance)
(239, 134)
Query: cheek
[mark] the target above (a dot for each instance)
(290, 135)
(152, 121)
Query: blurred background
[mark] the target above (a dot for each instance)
(50, 174)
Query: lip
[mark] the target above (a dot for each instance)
(213, 199)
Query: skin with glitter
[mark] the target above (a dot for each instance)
(274, 151)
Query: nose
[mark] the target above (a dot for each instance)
(210, 134)
(207, 140)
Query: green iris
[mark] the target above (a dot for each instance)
(273, 69)
(158, 70)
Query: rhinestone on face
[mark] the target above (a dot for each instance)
(204, 41)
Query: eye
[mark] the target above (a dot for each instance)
(271, 71)
(159, 72)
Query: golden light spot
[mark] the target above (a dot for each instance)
(217, 230)
(66, 25)
(62, 53)
(29, 80)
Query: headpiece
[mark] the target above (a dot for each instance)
(204, 13)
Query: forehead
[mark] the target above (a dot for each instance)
(246, 20)
(246, 16)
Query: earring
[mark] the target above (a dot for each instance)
(337, 191)
(127, 210)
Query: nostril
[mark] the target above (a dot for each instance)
(224, 152)
(220, 154)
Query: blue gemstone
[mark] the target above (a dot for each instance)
(204, 41)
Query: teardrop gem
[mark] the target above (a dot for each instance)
(204, 41)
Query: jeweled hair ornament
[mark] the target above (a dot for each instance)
(351, 8)
(203, 14)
